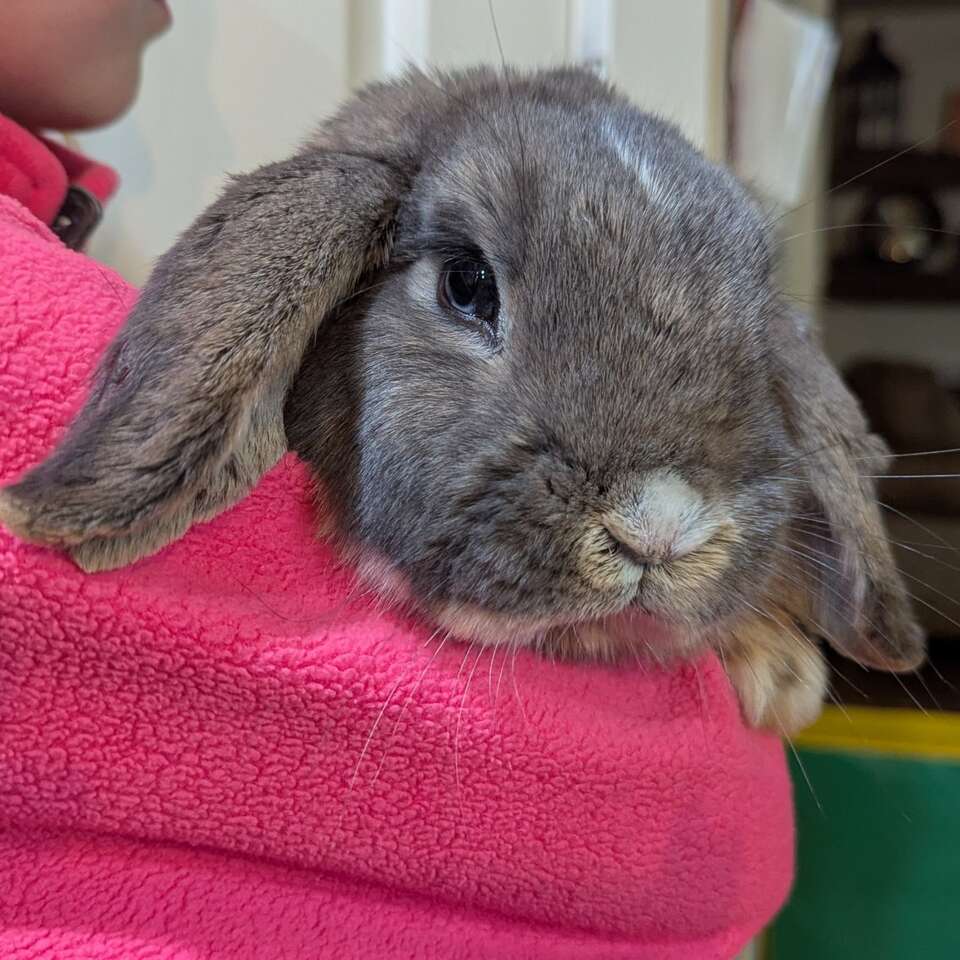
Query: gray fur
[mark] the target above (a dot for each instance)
(640, 331)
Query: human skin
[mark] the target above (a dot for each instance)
(74, 64)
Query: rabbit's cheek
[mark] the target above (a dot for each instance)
(702, 569)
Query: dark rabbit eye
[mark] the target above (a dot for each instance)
(469, 287)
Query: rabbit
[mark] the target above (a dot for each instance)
(528, 340)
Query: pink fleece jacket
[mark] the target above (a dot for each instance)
(225, 751)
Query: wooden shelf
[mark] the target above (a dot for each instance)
(917, 170)
(856, 281)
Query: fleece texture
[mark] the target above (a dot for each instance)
(37, 172)
(228, 751)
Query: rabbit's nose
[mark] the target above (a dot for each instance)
(659, 520)
(635, 547)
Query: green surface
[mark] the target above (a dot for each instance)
(878, 869)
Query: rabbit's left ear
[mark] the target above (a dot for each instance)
(855, 593)
(186, 411)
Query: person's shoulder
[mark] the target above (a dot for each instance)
(39, 275)
(58, 310)
(17, 224)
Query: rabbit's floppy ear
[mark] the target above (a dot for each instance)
(854, 591)
(186, 409)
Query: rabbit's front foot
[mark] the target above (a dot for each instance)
(778, 672)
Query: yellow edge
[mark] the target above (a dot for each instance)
(905, 733)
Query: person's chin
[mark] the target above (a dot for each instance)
(94, 111)
(161, 17)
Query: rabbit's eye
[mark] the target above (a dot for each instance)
(469, 287)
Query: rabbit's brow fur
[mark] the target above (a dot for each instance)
(473, 475)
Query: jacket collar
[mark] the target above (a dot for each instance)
(58, 186)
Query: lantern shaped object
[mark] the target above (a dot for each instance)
(870, 99)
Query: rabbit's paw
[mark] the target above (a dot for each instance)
(778, 673)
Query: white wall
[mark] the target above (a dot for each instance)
(238, 83)
(672, 58)
(235, 84)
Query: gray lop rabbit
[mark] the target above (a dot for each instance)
(527, 339)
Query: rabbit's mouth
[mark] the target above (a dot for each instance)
(658, 620)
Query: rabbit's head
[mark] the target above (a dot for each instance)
(526, 337)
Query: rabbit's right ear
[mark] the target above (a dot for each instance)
(855, 594)
(186, 411)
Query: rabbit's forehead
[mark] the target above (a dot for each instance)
(656, 172)
(617, 187)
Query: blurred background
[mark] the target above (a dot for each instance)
(238, 83)
(844, 116)
(868, 222)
